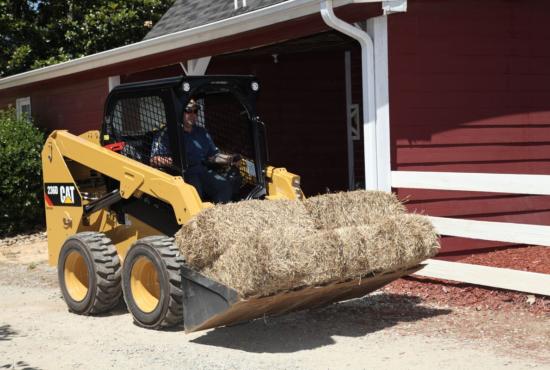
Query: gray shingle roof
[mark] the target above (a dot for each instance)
(185, 14)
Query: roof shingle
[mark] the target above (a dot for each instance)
(186, 14)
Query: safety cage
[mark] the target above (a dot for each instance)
(137, 114)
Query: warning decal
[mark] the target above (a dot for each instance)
(64, 194)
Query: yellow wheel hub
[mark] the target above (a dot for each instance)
(76, 276)
(144, 282)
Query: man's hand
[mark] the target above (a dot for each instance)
(225, 159)
(161, 161)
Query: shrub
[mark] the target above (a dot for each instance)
(21, 191)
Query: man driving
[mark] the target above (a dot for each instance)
(199, 151)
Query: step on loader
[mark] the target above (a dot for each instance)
(111, 214)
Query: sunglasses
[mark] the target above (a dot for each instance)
(191, 110)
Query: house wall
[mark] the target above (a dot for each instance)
(74, 105)
(470, 92)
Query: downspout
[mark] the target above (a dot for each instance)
(367, 76)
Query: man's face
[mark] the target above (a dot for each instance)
(189, 119)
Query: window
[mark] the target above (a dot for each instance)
(23, 107)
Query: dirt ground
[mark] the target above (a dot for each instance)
(402, 326)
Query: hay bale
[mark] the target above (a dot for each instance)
(274, 261)
(354, 208)
(285, 258)
(394, 242)
(262, 247)
(281, 258)
(216, 230)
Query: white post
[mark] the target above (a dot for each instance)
(378, 29)
(114, 81)
(197, 67)
(351, 159)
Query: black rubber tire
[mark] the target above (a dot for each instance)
(104, 273)
(167, 260)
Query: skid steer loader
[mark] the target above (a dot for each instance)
(111, 215)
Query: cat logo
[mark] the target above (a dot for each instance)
(61, 195)
(66, 194)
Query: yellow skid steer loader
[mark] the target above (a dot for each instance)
(111, 215)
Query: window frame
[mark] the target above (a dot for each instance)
(20, 103)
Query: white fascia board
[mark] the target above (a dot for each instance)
(273, 14)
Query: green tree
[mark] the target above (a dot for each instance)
(19, 36)
(20, 174)
(37, 33)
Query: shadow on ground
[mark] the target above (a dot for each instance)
(6, 332)
(315, 328)
(19, 365)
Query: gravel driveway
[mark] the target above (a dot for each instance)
(381, 331)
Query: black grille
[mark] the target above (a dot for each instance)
(140, 122)
(227, 122)
(136, 122)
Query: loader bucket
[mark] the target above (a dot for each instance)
(208, 304)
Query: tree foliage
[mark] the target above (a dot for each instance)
(20, 173)
(37, 33)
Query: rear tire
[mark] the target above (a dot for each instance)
(89, 272)
(151, 282)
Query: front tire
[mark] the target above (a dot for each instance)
(89, 271)
(151, 282)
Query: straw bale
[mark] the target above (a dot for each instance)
(215, 230)
(262, 247)
(354, 208)
(284, 258)
(392, 243)
(273, 262)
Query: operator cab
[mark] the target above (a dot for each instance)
(135, 114)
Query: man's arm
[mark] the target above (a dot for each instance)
(214, 155)
(160, 152)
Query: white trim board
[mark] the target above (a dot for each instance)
(489, 230)
(521, 281)
(378, 29)
(114, 81)
(484, 182)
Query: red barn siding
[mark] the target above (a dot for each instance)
(6, 101)
(76, 106)
(470, 92)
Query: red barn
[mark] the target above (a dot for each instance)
(456, 86)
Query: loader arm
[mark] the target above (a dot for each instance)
(134, 177)
(66, 205)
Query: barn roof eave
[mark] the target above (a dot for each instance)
(277, 13)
